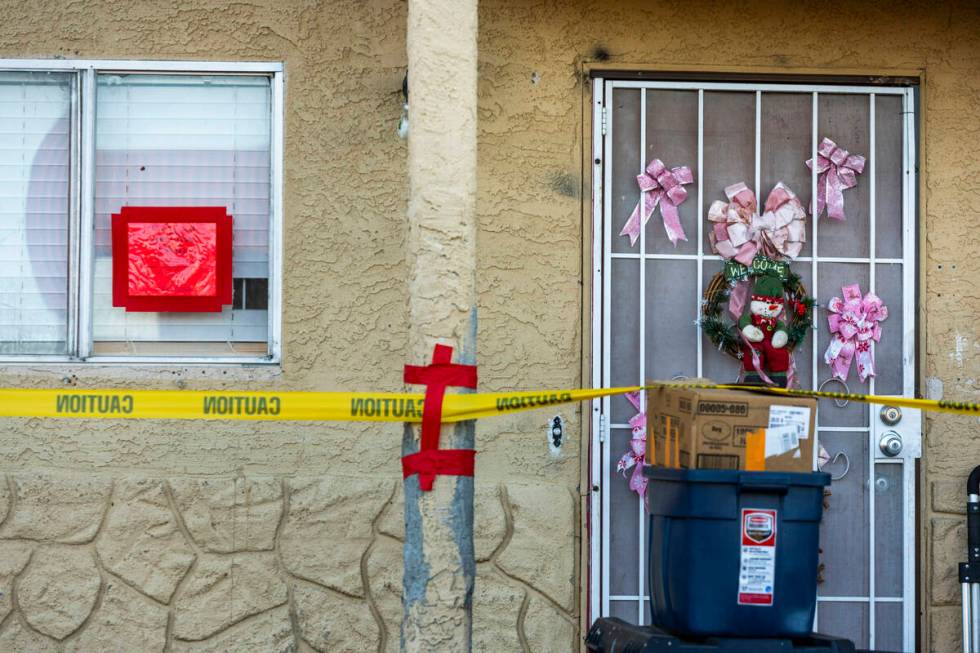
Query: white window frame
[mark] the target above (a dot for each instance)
(82, 201)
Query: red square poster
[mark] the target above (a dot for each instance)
(171, 258)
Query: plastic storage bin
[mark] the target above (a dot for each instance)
(734, 553)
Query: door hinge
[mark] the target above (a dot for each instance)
(605, 120)
(602, 428)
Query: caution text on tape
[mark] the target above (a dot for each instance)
(352, 406)
(313, 406)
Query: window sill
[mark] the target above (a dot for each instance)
(149, 373)
(173, 350)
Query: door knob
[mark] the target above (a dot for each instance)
(891, 444)
(891, 415)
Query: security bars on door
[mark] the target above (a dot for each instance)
(647, 299)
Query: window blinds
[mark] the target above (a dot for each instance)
(173, 140)
(34, 188)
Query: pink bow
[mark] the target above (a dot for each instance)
(836, 172)
(739, 232)
(663, 186)
(634, 458)
(854, 323)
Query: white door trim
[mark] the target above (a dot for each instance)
(598, 423)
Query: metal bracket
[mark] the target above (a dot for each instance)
(837, 402)
(847, 465)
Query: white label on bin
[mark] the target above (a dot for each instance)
(757, 566)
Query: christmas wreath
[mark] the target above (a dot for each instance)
(724, 334)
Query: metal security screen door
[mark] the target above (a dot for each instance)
(647, 299)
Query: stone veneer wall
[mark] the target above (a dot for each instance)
(259, 563)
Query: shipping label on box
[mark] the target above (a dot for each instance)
(709, 429)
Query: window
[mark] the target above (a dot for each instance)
(34, 181)
(82, 141)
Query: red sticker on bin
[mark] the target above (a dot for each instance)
(757, 562)
(171, 258)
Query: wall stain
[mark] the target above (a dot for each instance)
(565, 184)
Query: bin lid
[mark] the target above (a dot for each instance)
(737, 477)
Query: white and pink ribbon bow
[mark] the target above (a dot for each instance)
(854, 323)
(837, 170)
(666, 187)
(634, 458)
(739, 232)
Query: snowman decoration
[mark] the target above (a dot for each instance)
(764, 336)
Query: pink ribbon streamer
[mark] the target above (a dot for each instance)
(854, 323)
(837, 170)
(663, 186)
(756, 363)
(636, 456)
(791, 380)
(736, 299)
(739, 232)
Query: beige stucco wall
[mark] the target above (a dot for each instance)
(287, 537)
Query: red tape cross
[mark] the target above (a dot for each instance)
(427, 464)
(431, 461)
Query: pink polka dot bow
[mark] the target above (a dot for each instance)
(854, 323)
(634, 458)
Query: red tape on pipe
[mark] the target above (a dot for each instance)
(430, 461)
(438, 462)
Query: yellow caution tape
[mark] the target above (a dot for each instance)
(352, 406)
(246, 405)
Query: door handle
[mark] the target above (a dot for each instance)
(890, 444)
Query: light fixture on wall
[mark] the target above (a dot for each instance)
(403, 123)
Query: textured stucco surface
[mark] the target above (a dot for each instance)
(126, 504)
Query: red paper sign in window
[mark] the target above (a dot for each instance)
(171, 258)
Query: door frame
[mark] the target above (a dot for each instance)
(598, 464)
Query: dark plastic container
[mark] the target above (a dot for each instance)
(611, 635)
(734, 553)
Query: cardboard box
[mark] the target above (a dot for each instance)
(709, 429)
